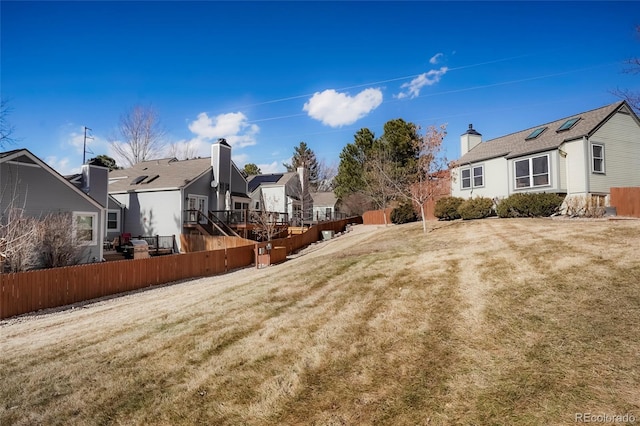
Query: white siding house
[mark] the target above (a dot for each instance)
(583, 154)
(283, 193)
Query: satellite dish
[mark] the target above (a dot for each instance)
(214, 183)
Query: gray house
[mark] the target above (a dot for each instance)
(115, 210)
(28, 183)
(160, 197)
(581, 155)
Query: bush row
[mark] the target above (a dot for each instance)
(529, 205)
(450, 208)
(516, 205)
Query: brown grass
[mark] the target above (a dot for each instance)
(498, 321)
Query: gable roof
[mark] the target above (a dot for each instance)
(25, 156)
(167, 173)
(323, 199)
(517, 144)
(269, 179)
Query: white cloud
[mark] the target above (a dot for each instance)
(240, 159)
(270, 168)
(435, 58)
(425, 79)
(72, 143)
(233, 126)
(339, 109)
(61, 165)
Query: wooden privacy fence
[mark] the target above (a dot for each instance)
(24, 292)
(626, 201)
(377, 217)
(48, 288)
(195, 242)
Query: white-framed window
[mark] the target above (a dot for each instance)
(532, 172)
(85, 228)
(597, 158)
(113, 220)
(472, 177)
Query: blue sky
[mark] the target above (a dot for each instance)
(267, 75)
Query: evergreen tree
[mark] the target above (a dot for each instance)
(251, 169)
(104, 161)
(303, 156)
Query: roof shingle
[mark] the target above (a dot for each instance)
(516, 145)
(171, 174)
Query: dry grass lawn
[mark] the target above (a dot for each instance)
(519, 322)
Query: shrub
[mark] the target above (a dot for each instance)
(404, 213)
(476, 208)
(529, 205)
(446, 208)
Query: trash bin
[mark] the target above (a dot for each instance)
(140, 249)
(327, 235)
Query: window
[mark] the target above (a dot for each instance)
(535, 133)
(475, 172)
(85, 227)
(597, 156)
(466, 178)
(532, 172)
(113, 220)
(478, 176)
(568, 124)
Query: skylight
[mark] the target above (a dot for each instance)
(151, 179)
(535, 133)
(568, 124)
(138, 180)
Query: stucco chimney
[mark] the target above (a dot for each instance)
(469, 140)
(95, 180)
(221, 165)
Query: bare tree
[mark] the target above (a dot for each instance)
(19, 239)
(326, 176)
(19, 234)
(183, 151)
(6, 128)
(139, 136)
(431, 176)
(380, 179)
(266, 223)
(59, 247)
(427, 180)
(633, 67)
